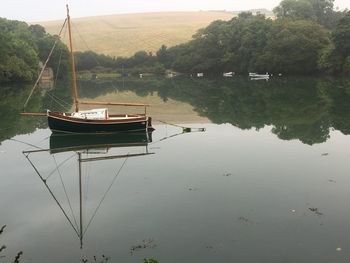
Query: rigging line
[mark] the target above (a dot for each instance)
(29, 144)
(54, 197)
(66, 104)
(59, 64)
(59, 166)
(57, 101)
(88, 48)
(38, 142)
(60, 103)
(44, 66)
(58, 68)
(60, 59)
(88, 168)
(65, 191)
(105, 194)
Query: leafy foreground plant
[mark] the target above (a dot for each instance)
(3, 247)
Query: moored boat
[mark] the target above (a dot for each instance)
(67, 122)
(92, 121)
(256, 75)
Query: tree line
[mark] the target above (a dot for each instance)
(22, 46)
(305, 37)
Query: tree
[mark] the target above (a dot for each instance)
(341, 36)
(37, 31)
(294, 47)
(224, 46)
(320, 11)
(294, 9)
(21, 49)
(163, 56)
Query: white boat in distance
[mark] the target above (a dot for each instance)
(228, 74)
(256, 75)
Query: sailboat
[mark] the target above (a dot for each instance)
(95, 120)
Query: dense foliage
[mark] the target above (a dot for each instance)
(253, 43)
(21, 49)
(307, 36)
(140, 62)
(320, 11)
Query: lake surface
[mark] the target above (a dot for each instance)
(267, 181)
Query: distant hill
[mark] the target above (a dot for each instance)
(125, 34)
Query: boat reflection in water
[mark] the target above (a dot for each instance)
(62, 142)
(88, 148)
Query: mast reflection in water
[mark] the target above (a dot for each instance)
(88, 148)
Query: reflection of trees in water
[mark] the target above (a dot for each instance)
(12, 99)
(297, 108)
(11, 104)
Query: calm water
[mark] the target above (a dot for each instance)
(268, 180)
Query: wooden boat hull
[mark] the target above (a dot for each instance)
(59, 123)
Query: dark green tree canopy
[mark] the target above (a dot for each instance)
(21, 49)
(320, 11)
(341, 36)
(294, 47)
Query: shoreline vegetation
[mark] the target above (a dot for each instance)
(306, 37)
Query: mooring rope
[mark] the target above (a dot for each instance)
(184, 128)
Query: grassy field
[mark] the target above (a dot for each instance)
(125, 34)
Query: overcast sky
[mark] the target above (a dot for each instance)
(39, 10)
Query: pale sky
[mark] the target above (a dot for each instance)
(40, 10)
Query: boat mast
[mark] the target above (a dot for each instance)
(73, 64)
